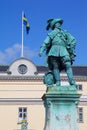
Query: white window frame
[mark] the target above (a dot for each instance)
(22, 113)
(80, 114)
(80, 87)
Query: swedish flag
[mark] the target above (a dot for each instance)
(25, 22)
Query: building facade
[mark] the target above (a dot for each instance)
(21, 91)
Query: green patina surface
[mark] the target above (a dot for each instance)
(59, 46)
(62, 89)
(61, 108)
(60, 101)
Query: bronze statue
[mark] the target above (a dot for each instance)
(60, 50)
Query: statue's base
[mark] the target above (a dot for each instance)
(62, 89)
(61, 111)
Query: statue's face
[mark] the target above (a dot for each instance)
(57, 25)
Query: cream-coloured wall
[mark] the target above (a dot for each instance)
(84, 87)
(27, 89)
(83, 125)
(22, 89)
(84, 91)
(9, 117)
(12, 89)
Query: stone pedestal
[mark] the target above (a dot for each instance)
(61, 108)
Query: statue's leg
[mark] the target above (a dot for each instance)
(69, 72)
(53, 61)
(67, 63)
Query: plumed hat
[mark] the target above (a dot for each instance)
(52, 22)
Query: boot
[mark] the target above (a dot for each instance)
(72, 82)
(57, 76)
(58, 83)
(70, 74)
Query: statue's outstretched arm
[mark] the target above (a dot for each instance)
(45, 45)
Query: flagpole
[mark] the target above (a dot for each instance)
(22, 47)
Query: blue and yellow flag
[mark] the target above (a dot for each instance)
(25, 22)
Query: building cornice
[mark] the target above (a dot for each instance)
(18, 101)
(21, 78)
(39, 78)
(76, 78)
(31, 101)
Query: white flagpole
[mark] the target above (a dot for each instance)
(22, 47)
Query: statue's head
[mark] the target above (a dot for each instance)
(52, 22)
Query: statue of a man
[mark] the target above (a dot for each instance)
(60, 50)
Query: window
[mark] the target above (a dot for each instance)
(22, 69)
(80, 114)
(79, 87)
(22, 113)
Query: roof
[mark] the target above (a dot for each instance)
(77, 70)
(80, 70)
(3, 68)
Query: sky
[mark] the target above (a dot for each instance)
(73, 12)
